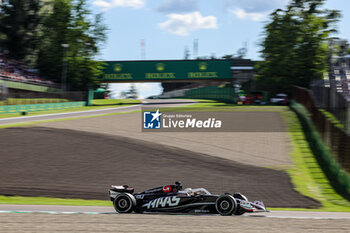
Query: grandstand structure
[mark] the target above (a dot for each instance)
(341, 75)
(19, 78)
(23, 90)
(242, 71)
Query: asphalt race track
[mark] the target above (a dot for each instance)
(52, 209)
(24, 218)
(36, 222)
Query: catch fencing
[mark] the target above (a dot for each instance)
(333, 136)
(329, 99)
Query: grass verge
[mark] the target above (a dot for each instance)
(332, 119)
(306, 174)
(63, 119)
(17, 200)
(104, 102)
(97, 104)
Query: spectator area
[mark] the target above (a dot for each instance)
(13, 70)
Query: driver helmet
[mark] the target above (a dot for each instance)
(189, 191)
(178, 185)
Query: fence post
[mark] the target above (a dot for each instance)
(347, 118)
(90, 97)
(332, 99)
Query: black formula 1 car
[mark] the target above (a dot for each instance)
(173, 199)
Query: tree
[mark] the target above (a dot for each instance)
(56, 30)
(130, 94)
(294, 48)
(69, 23)
(242, 52)
(34, 31)
(20, 27)
(228, 57)
(186, 53)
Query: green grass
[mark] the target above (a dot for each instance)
(19, 101)
(97, 104)
(306, 175)
(323, 209)
(102, 102)
(63, 119)
(17, 200)
(332, 119)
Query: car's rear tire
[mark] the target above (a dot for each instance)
(124, 203)
(225, 205)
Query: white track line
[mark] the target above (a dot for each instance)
(46, 212)
(85, 212)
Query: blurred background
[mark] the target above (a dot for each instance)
(287, 58)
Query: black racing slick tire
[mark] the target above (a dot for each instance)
(225, 205)
(124, 203)
(239, 212)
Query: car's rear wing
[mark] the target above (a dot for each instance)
(122, 189)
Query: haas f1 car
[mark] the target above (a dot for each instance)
(174, 199)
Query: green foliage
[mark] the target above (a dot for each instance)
(294, 48)
(131, 93)
(69, 23)
(36, 30)
(19, 27)
(306, 174)
(338, 178)
(332, 119)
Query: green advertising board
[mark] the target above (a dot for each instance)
(156, 71)
(40, 107)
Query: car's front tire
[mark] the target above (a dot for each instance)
(124, 203)
(239, 211)
(225, 205)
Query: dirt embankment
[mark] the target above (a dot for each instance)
(260, 138)
(38, 161)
